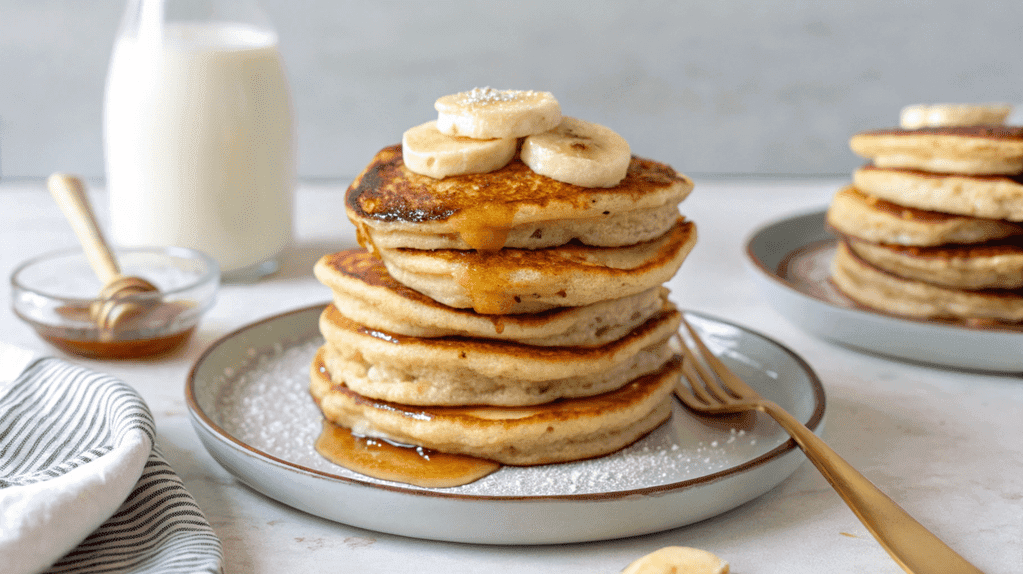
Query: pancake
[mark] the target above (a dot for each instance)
(564, 430)
(887, 292)
(990, 197)
(975, 150)
(393, 207)
(991, 265)
(369, 296)
(464, 370)
(610, 230)
(512, 281)
(855, 213)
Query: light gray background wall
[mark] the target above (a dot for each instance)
(710, 86)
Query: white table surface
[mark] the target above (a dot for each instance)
(947, 445)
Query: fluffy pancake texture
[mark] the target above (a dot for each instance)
(371, 297)
(992, 265)
(512, 281)
(870, 218)
(564, 430)
(968, 149)
(513, 206)
(612, 230)
(991, 197)
(891, 293)
(506, 313)
(463, 370)
(929, 228)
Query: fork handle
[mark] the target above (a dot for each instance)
(914, 547)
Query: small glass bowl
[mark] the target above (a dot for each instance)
(56, 292)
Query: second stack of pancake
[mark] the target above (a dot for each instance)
(930, 228)
(504, 315)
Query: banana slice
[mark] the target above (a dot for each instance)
(486, 113)
(579, 153)
(937, 115)
(428, 152)
(678, 560)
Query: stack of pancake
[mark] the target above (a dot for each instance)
(930, 228)
(504, 314)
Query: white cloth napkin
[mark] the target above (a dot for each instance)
(82, 488)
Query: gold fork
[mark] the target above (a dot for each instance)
(913, 547)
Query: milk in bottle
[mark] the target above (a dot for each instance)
(198, 137)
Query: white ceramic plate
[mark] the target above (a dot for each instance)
(790, 258)
(249, 403)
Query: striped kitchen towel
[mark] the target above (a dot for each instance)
(83, 487)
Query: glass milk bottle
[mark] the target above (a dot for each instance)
(198, 133)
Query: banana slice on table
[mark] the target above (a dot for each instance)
(486, 113)
(678, 560)
(580, 153)
(938, 115)
(427, 151)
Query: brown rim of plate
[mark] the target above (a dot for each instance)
(816, 418)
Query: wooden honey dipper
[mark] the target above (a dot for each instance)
(116, 303)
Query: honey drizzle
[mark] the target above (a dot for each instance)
(484, 227)
(487, 288)
(385, 460)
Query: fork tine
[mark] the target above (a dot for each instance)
(696, 374)
(685, 393)
(732, 383)
(704, 382)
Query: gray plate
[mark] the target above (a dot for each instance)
(789, 260)
(250, 406)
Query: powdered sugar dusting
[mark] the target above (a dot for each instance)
(264, 402)
(487, 95)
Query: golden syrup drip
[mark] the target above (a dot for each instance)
(398, 463)
(484, 227)
(498, 321)
(487, 286)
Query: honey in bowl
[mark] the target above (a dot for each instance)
(150, 332)
(55, 294)
(113, 349)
